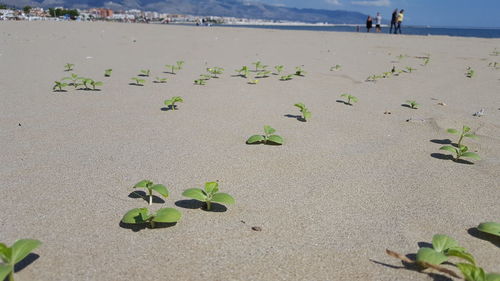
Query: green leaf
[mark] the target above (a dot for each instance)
(449, 148)
(460, 253)
(255, 139)
(472, 136)
(471, 155)
(275, 139)
(160, 188)
(452, 131)
(136, 216)
(167, 215)
(143, 183)
(490, 227)
(300, 105)
(211, 187)
(168, 102)
(441, 242)
(22, 248)
(223, 198)
(269, 130)
(5, 253)
(492, 277)
(195, 193)
(4, 271)
(471, 272)
(354, 99)
(430, 256)
(307, 115)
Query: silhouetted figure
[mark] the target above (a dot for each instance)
(399, 22)
(369, 24)
(394, 20)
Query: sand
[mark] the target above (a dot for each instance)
(345, 186)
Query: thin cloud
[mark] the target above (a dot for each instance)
(333, 2)
(377, 3)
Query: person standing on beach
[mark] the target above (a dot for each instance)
(394, 20)
(399, 22)
(378, 21)
(369, 23)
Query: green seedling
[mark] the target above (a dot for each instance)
(142, 216)
(244, 71)
(171, 102)
(160, 80)
(74, 80)
(476, 273)
(172, 67)
(253, 81)
(209, 194)
(138, 81)
(69, 66)
(490, 227)
(259, 66)
(470, 72)
(215, 71)
(150, 186)
(409, 69)
(180, 64)
(107, 72)
(299, 71)
(200, 81)
(263, 74)
(286, 77)
(95, 84)
(306, 114)
(443, 247)
(279, 69)
(373, 78)
(387, 74)
(461, 150)
(412, 104)
(350, 98)
(426, 61)
(85, 82)
(58, 87)
(14, 254)
(494, 65)
(145, 72)
(336, 67)
(267, 138)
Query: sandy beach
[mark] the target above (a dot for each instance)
(346, 185)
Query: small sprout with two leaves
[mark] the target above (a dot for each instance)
(200, 82)
(138, 81)
(492, 228)
(409, 69)
(160, 80)
(58, 86)
(299, 71)
(74, 80)
(209, 194)
(145, 72)
(267, 138)
(14, 254)
(286, 77)
(461, 150)
(172, 68)
(86, 82)
(150, 186)
(95, 84)
(279, 69)
(244, 71)
(306, 114)
(469, 73)
(412, 104)
(350, 98)
(107, 72)
(215, 71)
(263, 74)
(69, 66)
(171, 102)
(259, 66)
(180, 64)
(494, 65)
(142, 216)
(443, 247)
(336, 67)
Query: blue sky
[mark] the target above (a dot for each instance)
(463, 13)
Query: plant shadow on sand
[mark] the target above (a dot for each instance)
(29, 259)
(344, 102)
(142, 194)
(408, 106)
(139, 227)
(195, 204)
(168, 108)
(135, 84)
(450, 157)
(414, 267)
(495, 240)
(298, 117)
(443, 141)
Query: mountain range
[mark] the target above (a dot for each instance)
(227, 8)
